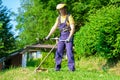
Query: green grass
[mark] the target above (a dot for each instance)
(86, 69)
(64, 74)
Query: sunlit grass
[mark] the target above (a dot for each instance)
(64, 74)
(86, 69)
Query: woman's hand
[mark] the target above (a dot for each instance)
(47, 38)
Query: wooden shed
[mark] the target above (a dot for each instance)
(19, 57)
(14, 59)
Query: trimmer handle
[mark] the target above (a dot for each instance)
(58, 39)
(54, 38)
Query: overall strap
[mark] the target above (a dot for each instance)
(67, 18)
(59, 18)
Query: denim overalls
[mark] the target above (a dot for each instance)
(64, 45)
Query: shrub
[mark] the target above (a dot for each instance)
(49, 62)
(101, 34)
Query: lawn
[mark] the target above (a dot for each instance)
(64, 74)
(86, 69)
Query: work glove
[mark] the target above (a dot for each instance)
(47, 38)
(67, 40)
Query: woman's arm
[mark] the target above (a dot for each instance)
(72, 26)
(53, 29)
(71, 31)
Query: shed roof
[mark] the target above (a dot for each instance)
(28, 48)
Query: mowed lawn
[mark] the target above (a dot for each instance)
(64, 74)
(86, 69)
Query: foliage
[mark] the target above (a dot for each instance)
(49, 62)
(35, 20)
(100, 34)
(93, 19)
(0, 25)
(7, 40)
(36, 17)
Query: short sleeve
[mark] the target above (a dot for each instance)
(71, 20)
(56, 20)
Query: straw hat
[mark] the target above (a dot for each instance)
(61, 5)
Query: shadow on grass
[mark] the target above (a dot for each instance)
(111, 62)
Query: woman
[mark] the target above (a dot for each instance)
(65, 22)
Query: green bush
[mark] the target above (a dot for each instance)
(101, 34)
(49, 62)
(0, 25)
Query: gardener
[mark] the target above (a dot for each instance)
(65, 22)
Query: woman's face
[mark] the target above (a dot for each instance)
(62, 11)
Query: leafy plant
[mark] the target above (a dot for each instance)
(100, 34)
(7, 39)
(49, 62)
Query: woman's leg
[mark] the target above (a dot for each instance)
(71, 62)
(59, 55)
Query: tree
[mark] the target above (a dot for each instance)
(7, 40)
(100, 35)
(1, 25)
(35, 20)
(36, 17)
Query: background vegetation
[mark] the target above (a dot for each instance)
(97, 24)
(7, 39)
(100, 34)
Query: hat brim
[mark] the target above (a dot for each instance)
(60, 6)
